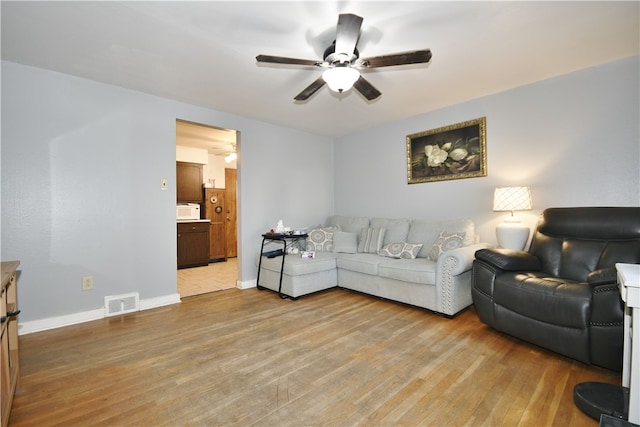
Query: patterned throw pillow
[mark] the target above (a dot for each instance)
(445, 242)
(371, 240)
(321, 239)
(401, 250)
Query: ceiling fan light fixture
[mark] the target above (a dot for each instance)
(342, 61)
(340, 78)
(230, 157)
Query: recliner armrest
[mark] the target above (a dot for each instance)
(603, 276)
(509, 260)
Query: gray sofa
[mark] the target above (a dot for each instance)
(418, 262)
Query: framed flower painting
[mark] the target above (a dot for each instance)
(451, 152)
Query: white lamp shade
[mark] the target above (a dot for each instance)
(512, 199)
(340, 78)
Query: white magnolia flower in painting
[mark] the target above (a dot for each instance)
(435, 155)
(458, 154)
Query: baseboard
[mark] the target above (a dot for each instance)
(58, 321)
(146, 304)
(246, 284)
(40, 325)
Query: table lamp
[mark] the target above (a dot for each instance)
(512, 234)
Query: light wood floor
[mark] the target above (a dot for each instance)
(216, 276)
(336, 358)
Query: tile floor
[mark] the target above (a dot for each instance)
(214, 277)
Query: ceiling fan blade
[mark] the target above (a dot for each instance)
(347, 33)
(403, 58)
(366, 89)
(284, 60)
(310, 90)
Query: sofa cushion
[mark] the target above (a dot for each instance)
(295, 265)
(361, 263)
(348, 223)
(400, 250)
(321, 239)
(396, 229)
(371, 240)
(446, 241)
(426, 232)
(345, 242)
(418, 271)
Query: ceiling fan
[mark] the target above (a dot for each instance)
(342, 62)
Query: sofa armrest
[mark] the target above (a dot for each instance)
(461, 259)
(509, 260)
(453, 278)
(606, 326)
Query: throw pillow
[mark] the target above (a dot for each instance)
(445, 242)
(345, 242)
(371, 240)
(321, 239)
(401, 250)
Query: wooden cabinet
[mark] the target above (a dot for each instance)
(10, 359)
(188, 182)
(232, 218)
(215, 211)
(193, 244)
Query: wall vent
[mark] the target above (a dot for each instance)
(120, 304)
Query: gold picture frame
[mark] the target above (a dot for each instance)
(451, 152)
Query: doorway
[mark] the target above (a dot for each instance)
(215, 150)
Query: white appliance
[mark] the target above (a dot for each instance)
(187, 211)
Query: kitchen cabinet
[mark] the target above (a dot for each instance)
(10, 370)
(215, 212)
(188, 182)
(193, 244)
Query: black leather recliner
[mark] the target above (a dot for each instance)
(562, 294)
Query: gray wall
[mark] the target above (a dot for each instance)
(82, 163)
(81, 170)
(573, 139)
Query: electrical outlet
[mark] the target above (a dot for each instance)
(164, 184)
(87, 283)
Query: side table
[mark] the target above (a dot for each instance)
(623, 402)
(286, 240)
(629, 282)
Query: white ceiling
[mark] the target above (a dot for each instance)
(204, 53)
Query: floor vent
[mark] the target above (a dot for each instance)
(120, 304)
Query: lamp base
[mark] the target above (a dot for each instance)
(512, 234)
